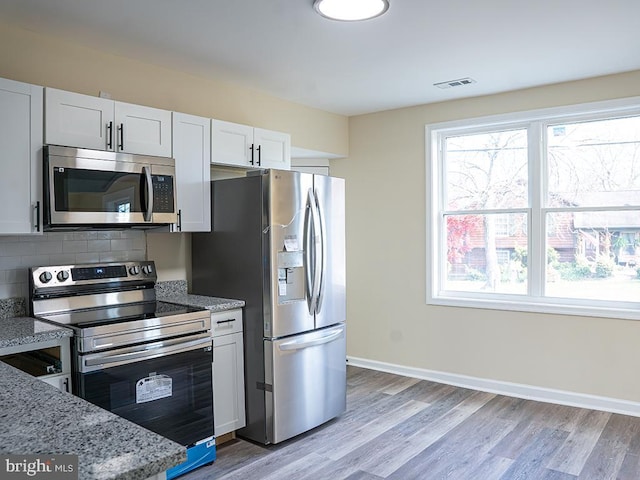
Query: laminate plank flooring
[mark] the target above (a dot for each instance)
(400, 428)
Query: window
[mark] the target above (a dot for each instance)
(538, 211)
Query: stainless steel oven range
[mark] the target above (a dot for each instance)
(147, 361)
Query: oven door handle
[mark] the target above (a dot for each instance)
(98, 361)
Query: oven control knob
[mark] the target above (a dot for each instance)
(62, 275)
(45, 277)
(147, 269)
(135, 270)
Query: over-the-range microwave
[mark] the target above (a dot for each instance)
(85, 189)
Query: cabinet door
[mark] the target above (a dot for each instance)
(231, 144)
(142, 130)
(228, 383)
(273, 149)
(21, 141)
(76, 120)
(227, 322)
(192, 153)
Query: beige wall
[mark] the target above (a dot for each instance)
(29, 57)
(386, 288)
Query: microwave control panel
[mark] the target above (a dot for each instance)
(163, 196)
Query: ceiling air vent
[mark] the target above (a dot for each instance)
(455, 83)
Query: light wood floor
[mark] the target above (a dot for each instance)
(401, 428)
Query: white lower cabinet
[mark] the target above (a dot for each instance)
(228, 371)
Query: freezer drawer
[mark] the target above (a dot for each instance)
(305, 380)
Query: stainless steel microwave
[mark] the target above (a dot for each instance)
(96, 189)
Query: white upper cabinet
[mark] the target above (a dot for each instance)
(21, 141)
(244, 146)
(76, 120)
(83, 121)
(274, 148)
(192, 153)
(144, 130)
(231, 143)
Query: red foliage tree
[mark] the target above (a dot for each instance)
(459, 227)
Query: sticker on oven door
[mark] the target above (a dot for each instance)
(153, 387)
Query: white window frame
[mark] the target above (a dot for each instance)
(536, 121)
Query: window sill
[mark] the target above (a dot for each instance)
(529, 305)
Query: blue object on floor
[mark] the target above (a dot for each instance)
(199, 454)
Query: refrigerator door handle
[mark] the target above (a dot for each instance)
(321, 255)
(316, 241)
(308, 257)
(299, 345)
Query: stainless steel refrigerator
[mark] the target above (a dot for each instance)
(278, 243)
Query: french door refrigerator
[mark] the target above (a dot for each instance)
(278, 243)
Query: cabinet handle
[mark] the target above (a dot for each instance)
(66, 385)
(110, 136)
(121, 132)
(259, 154)
(180, 220)
(37, 209)
(225, 321)
(251, 148)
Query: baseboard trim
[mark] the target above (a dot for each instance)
(529, 392)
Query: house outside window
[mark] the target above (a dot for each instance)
(502, 226)
(538, 210)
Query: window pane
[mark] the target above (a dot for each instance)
(480, 260)
(594, 255)
(487, 170)
(594, 163)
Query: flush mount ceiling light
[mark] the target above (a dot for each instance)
(351, 10)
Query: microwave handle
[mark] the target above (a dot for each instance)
(149, 183)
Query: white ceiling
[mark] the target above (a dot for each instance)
(286, 49)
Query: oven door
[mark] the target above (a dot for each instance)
(165, 387)
(104, 188)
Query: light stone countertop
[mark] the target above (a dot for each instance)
(176, 292)
(15, 331)
(12, 307)
(36, 418)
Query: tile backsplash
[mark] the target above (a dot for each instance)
(18, 253)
